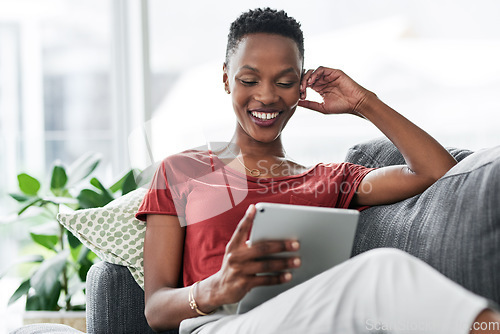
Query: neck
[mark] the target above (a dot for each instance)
(249, 147)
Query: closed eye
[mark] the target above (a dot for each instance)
(248, 82)
(286, 84)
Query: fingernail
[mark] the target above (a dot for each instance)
(287, 276)
(296, 262)
(301, 87)
(295, 245)
(249, 209)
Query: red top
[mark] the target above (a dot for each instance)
(210, 199)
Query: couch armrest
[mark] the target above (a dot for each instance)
(115, 302)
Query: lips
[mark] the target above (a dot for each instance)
(264, 117)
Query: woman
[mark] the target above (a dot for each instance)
(199, 209)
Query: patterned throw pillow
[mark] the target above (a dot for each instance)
(112, 232)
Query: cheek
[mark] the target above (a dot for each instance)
(238, 97)
(292, 97)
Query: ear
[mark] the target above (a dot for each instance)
(225, 78)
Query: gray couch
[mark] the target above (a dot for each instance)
(454, 226)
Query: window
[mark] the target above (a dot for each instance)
(56, 100)
(55, 96)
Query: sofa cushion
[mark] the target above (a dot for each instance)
(381, 152)
(112, 232)
(454, 225)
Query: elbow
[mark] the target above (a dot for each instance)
(428, 179)
(439, 173)
(159, 313)
(154, 320)
(446, 166)
(151, 319)
(430, 176)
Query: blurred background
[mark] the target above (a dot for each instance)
(137, 80)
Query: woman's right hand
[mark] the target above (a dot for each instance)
(242, 263)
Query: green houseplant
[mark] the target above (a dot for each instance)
(59, 271)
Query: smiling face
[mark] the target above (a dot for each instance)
(263, 77)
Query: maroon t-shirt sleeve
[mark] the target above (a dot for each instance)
(158, 199)
(353, 175)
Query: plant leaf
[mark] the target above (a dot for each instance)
(95, 182)
(90, 199)
(19, 197)
(106, 195)
(85, 260)
(46, 278)
(84, 269)
(33, 303)
(118, 184)
(92, 256)
(50, 301)
(20, 291)
(83, 167)
(83, 255)
(37, 302)
(75, 252)
(28, 184)
(59, 179)
(24, 259)
(73, 241)
(129, 184)
(47, 241)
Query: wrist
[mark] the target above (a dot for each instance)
(365, 105)
(205, 296)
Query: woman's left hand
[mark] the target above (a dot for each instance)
(340, 93)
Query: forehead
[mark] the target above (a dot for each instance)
(262, 50)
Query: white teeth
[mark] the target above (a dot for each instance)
(265, 115)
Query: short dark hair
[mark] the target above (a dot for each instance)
(264, 20)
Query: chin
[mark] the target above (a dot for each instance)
(265, 138)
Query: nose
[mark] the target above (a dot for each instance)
(266, 94)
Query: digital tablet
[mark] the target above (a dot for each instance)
(326, 236)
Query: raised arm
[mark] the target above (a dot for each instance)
(426, 159)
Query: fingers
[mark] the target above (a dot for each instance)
(240, 235)
(271, 265)
(263, 249)
(314, 76)
(311, 76)
(303, 83)
(320, 76)
(312, 105)
(257, 260)
(247, 266)
(271, 279)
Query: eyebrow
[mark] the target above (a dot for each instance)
(285, 71)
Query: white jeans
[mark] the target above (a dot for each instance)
(380, 291)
